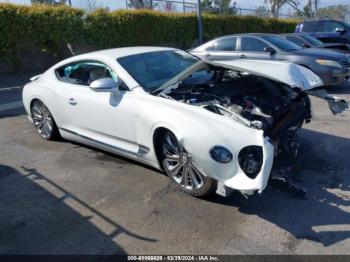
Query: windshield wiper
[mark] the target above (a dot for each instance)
(156, 91)
(163, 90)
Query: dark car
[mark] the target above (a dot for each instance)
(332, 67)
(328, 31)
(307, 41)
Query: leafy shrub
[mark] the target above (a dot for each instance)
(53, 27)
(144, 27)
(49, 27)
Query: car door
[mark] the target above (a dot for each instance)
(254, 48)
(222, 49)
(100, 116)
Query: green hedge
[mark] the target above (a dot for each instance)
(143, 27)
(52, 27)
(49, 27)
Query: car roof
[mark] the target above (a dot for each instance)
(292, 34)
(204, 45)
(244, 34)
(247, 34)
(295, 34)
(116, 53)
(110, 55)
(320, 20)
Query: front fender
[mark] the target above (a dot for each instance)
(199, 130)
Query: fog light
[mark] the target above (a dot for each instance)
(220, 154)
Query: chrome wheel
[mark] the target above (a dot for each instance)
(42, 119)
(179, 165)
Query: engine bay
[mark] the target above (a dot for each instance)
(255, 101)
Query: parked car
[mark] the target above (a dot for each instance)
(332, 67)
(206, 124)
(328, 31)
(308, 41)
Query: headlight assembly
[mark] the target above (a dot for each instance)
(221, 154)
(330, 63)
(250, 159)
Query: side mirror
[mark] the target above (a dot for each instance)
(269, 50)
(304, 45)
(340, 30)
(105, 84)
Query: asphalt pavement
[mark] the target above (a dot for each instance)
(65, 198)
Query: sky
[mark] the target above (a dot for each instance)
(250, 4)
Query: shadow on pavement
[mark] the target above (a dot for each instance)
(39, 217)
(12, 113)
(324, 215)
(343, 89)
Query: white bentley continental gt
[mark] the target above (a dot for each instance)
(208, 125)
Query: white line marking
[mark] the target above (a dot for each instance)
(10, 106)
(4, 89)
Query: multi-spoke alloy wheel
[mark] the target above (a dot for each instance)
(43, 120)
(180, 167)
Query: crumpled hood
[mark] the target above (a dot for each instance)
(291, 74)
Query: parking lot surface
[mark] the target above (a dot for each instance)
(65, 198)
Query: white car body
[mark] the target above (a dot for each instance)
(125, 122)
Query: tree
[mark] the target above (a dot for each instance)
(219, 6)
(276, 5)
(91, 5)
(339, 12)
(139, 4)
(262, 11)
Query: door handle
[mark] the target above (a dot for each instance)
(72, 101)
(242, 56)
(207, 55)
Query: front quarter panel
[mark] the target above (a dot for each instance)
(199, 130)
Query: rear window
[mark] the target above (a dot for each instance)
(295, 40)
(314, 41)
(281, 43)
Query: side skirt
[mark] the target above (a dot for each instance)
(143, 150)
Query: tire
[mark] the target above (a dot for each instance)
(181, 169)
(43, 121)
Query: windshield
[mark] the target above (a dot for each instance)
(153, 69)
(281, 43)
(346, 25)
(312, 40)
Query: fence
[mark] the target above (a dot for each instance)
(189, 6)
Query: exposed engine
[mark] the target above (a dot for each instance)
(254, 101)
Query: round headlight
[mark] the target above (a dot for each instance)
(220, 154)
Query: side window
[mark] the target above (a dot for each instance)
(312, 27)
(295, 40)
(84, 72)
(251, 44)
(330, 26)
(225, 44)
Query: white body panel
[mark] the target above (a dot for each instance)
(124, 123)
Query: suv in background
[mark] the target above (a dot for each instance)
(328, 31)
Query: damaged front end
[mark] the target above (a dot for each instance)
(272, 97)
